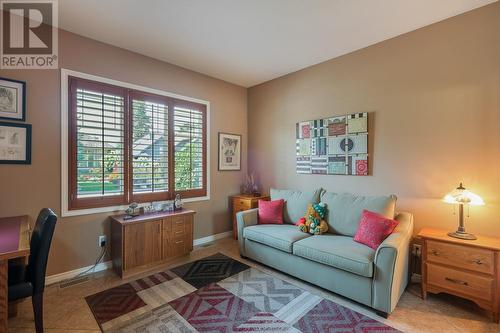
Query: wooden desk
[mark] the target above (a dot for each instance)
(465, 268)
(14, 243)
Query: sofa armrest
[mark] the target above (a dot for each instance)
(391, 265)
(245, 219)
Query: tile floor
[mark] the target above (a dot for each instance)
(67, 311)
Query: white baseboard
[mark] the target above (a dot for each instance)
(71, 274)
(108, 264)
(212, 238)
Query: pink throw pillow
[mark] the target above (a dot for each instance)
(373, 229)
(271, 212)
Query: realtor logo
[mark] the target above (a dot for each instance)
(29, 35)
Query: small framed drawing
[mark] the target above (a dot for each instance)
(15, 143)
(229, 152)
(12, 99)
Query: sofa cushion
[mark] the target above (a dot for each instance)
(278, 236)
(344, 210)
(271, 212)
(337, 251)
(295, 202)
(373, 229)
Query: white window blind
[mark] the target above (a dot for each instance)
(188, 137)
(100, 144)
(149, 147)
(127, 145)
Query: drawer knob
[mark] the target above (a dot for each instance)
(435, 253)
(463, 283)
(478, 261)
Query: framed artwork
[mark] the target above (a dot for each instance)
(229, 152)
(15, 143)
(12, 99)
(333, 146)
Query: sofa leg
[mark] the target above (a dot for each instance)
(382, 314)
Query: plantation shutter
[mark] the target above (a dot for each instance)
(98, 148)
(150, 154)
(189, 149)
(129, 146)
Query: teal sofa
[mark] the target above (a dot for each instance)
(334, 261)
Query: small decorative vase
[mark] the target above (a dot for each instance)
(178, 202)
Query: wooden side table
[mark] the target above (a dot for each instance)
(465, 268)
(243, 202)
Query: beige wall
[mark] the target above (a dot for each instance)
(26, 189)
(435, 95)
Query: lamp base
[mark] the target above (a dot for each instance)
(462, 235)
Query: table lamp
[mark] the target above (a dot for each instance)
(462, 197)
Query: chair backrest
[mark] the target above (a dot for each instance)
(39, 248)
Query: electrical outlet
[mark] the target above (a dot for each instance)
(101, 241)
(417, 250)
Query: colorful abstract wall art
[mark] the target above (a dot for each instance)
(333, 146)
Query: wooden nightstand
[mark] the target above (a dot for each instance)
(465, 268)
(243, 202)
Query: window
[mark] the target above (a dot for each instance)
(189, 129)
(127, 145)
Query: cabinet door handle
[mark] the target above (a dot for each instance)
(435, 253)
(463, 283)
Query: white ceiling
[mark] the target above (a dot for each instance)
(248, 42)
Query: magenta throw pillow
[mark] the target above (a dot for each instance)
(271, 212)
(373, 229)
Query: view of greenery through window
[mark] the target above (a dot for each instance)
(100, 133)
(149, 147)
(100, 144)
(188, 139)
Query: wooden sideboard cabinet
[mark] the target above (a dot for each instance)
(145, 241)
(243, 202)
(465, 268)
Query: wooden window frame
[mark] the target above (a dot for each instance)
(128, 196)
(190, 105)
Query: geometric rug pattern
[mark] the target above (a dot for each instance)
(220, 294)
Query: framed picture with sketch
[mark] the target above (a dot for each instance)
(15, 143)
(12, 99)
(229, 152)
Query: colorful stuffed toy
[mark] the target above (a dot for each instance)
(301, 223)
(313, 222)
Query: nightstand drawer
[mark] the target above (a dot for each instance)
(243, 202)
(238, 207)
(469, 284)
(467, 257)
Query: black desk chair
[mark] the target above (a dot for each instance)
(26, 281)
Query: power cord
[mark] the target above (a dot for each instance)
(97, 262)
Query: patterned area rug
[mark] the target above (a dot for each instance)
(220, 294)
